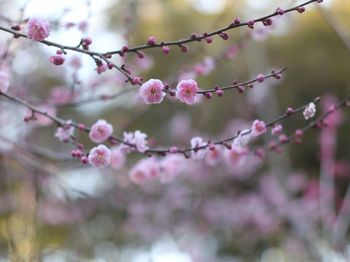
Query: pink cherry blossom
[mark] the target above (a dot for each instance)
(213, 156)
(145, 169)
(205, 67)
(100, 131)
(64, 133)
(38, 29)
(4, 82)
(61, 95)
(100, 156)
(138, 139)
(234, 156)
(276, 129)
(152, 91)
(309, 111)
(186, 91)
(42, 120)
(170, 167)
(117, 158)
(258, 128)
(197, 142)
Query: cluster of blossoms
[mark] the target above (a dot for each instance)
(165, 169)
(153, 91)
(137, 140)
(102, 156)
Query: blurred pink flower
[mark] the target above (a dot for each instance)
(145, 169)
(64, 133)
(100, 131)
(117, 158)
(197, 142)
(4, 82)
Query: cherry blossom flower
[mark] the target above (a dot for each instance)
(234, 156)
(186, 91)
(117, 158)
(145, 169)
(213, 156)
(100, 156)
(100, 131)
(64, 133)
(258, 128)
(205, 67)
(170, 166)
(38, 29)
(152, 91)
(276, 129)
(242, 139)
(138, 138)
(309, 111)
(4, 82)
(197, 142)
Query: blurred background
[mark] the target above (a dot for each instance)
(292, 206)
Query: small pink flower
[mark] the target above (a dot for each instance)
(152, 91)
(309, 111)
(234, 156)
(4, 82)
(100, 131)
(64, 133)
(258, 128)
(38, 29)
(276, 129)
(213, 156)
(138, 139)
(170, 166)
(117, 158)
(100, 156)
(186, 91)
(197, 142)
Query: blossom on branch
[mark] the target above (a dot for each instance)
(64, 133)
(100, 131)
(309, 111)
(38, 29)
(100, 156)
(186, 91)
(258, 128)
(152, 91)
